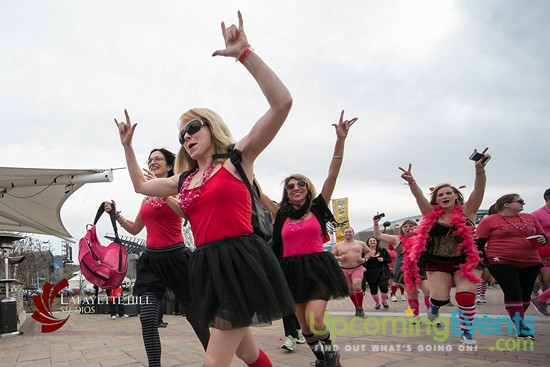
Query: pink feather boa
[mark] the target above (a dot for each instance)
(467, 246)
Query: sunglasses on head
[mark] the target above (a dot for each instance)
(291, 185)
(191, 129)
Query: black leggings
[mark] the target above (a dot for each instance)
(516, 283)
(375, 280)
(291, 325)
(149, 315)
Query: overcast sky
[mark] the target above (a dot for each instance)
(429, 80)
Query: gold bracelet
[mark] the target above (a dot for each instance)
(337, 156)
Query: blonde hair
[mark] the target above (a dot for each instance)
(221, 136)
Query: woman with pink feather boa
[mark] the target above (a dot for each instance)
(444, 244)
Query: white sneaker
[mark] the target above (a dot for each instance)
(290, 343)
(467, 339)
(403, 297)
(415, 320)
(301, 339)
(393, 298)
(125, 315)
(113, 317)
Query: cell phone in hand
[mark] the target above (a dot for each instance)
(379, 216)
(476, 156)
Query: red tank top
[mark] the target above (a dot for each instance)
(163, 225)
(223, 209)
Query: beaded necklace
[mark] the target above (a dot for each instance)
(155, 201)
(296, 227)
(522, 227)
(187, 197)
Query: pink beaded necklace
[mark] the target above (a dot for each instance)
(155, 201)
(186, 196)
(296, 227)
(522, 227)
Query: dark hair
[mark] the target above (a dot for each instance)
(433, 194)
(378, 248)
(408, 221)
(504, 199)
(169, 157)
(492, 209)
(546, 194)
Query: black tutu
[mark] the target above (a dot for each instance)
(162, 270)
(238, 282)
(314, 276)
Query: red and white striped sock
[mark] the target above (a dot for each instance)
(466, 309)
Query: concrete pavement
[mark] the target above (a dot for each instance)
(96, 340)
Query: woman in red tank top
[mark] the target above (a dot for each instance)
(165, 261)
(235, 278)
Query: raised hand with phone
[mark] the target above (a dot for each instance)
(444, 245)
(482, 157)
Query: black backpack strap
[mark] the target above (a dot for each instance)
(236, 157)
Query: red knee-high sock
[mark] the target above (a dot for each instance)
(359, 298)
(514, 308)
(467, 310)
(414, 305)
(353, 297)
(384, 297)
(427, 302)
(393, 289)
(375, 298)
(261, 361)
(401, 289)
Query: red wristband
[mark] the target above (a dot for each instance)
(245, 53)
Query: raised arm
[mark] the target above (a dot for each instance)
(277, 95)
(388, 238)
(342, 129)
(423, 203)
(476, 197)
(157, 187)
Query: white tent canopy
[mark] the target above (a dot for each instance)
(31, 198)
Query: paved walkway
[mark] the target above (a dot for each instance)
(96, 340)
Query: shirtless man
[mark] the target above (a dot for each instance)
(350, 254)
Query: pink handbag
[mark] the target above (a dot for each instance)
(103, 266)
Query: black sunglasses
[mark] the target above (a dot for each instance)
(300, 183)
(191, 129)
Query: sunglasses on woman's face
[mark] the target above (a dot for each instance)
(191, 129)
(291, 185)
